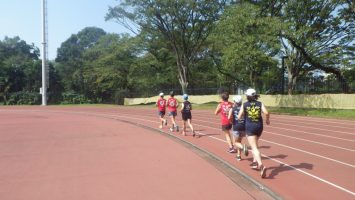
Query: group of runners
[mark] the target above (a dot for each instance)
(244, 119)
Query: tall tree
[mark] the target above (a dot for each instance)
(183, 24)
(247, 43)
(108, 67)
(321, 32)
(70, 57)
(18, 67)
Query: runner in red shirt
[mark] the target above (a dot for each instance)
(161, 104)
(223, 108)
(172, 104)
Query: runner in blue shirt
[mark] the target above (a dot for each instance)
(252, 109)
(238, 129)
(186, 115)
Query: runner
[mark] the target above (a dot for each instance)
(238, 127)
(254, 126)
(223, 108)
(186, 115)
(172, 104)
(161, 104)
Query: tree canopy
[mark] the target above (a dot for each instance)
(195, 47)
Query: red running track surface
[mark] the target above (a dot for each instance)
(307, 158)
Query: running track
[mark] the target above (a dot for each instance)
(307, 158)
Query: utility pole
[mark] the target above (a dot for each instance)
(44, 53)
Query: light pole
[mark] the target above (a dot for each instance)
(283, 74)
(44, 53)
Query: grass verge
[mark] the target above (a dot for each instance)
(322, 112)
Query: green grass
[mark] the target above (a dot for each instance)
(327, 113)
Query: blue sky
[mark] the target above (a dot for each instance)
(65, 17)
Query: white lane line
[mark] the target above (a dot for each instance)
(313, 119)
(349, 133)
(311, 141)
(295, 138)
(309, 133)
(307, 152)
(299, 170)
(313, 176)
(221, 140)
(311, 126)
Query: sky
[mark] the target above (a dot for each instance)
(65, 17)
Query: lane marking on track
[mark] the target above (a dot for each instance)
(307, 152)
(311, 141)
(218, 139)
(312, 127)
(299, 170)
(298, 138)
(307, 123)
(309, 133)
(313, 119)
(315, 128)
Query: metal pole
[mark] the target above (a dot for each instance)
(44, 86)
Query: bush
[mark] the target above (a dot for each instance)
(24, 98)
(73, 98)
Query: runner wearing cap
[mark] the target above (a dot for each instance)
(252, 110)
(161, 104)
(186, 115)
(238, 129)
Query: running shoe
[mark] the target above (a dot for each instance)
(171, 129)
(193, 134)
(245, 150)
(232, 150)
(177, 128)
(254, 165)
(184, 133)
(262, 171)
(238, 157)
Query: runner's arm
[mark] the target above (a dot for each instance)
(230, 113)
(241, 112)
(267, 114)
(182, 107)
(218, 109)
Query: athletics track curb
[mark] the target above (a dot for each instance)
(222, 165)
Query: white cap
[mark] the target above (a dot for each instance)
(250, 92)
(185, 96)
(161, 94)
(237, 99)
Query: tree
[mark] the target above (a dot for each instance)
(70, 57)
(247, 43)
(320, 32)
(184, 25)
(108, 68)
(18, 67)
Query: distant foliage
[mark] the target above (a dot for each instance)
(24, 98)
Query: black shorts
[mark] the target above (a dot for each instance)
(186, 116)
(226, 127)
(161, 113)
(254, 130)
